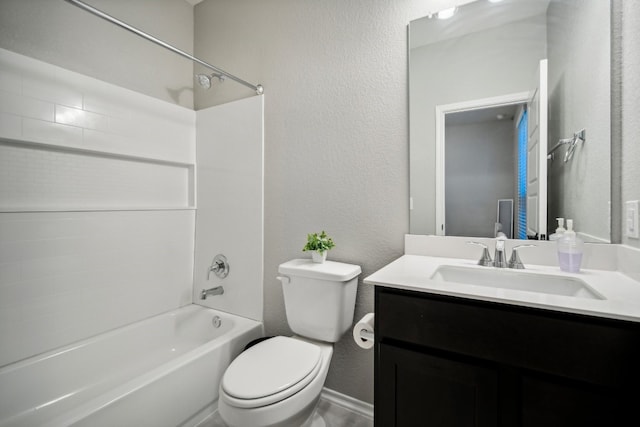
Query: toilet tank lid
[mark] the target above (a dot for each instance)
(328, 270)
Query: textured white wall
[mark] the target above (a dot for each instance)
(578, 40)
(335, 78)
(630, 109)
(59, 33)
(336, 134)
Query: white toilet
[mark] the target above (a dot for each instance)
(277, 382)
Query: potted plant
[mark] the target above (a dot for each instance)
(318, 244)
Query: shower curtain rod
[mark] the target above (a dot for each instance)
(258, 88)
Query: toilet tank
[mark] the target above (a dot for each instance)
(319, 298)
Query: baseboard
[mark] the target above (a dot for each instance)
(350, 403)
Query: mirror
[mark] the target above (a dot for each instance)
(478, 92)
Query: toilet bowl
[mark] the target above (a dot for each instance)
(277, 382)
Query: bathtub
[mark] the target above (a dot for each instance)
(162, 371)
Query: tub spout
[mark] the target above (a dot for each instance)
(218, 290)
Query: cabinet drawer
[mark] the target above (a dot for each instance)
(599, 351)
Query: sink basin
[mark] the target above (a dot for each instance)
(516, 280)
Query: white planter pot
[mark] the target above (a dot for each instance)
(319, 257)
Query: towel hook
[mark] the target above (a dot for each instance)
(572, 142)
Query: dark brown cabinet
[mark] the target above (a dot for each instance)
(444, 361)
(434, 391)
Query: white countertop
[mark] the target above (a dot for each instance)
(621, 293)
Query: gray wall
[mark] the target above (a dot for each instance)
(488, 63)
(336, 112)
(336, 127)
(479, 170)
(335, 135)
(61, 34)
(630, 108)
(578, 40)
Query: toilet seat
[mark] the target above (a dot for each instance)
(270, 372)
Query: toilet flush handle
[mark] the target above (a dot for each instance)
(284, 279)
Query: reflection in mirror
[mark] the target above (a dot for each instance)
(484, 116)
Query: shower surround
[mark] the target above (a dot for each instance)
(98, 208)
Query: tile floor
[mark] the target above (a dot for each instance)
(334, 416)
(337, 416)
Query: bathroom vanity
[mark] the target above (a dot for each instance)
(463, 354)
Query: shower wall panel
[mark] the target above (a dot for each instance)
(97, 206)
(231, 204)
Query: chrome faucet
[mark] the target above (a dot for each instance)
(499, 258)
(485, 259)
(514, 261)
(218, 290)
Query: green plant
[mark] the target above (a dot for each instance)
(318, 242)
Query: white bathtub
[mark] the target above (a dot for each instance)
(163, 371)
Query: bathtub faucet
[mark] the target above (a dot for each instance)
(218, 290)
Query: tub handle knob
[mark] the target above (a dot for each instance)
(220, 267)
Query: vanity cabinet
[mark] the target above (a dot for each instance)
(447, 361)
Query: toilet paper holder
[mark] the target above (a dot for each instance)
(367, 335)
(363, 331)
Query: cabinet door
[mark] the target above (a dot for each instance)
(556, 402)
(419, 389)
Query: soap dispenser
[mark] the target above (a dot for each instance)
(559, 231)
(570, 248)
